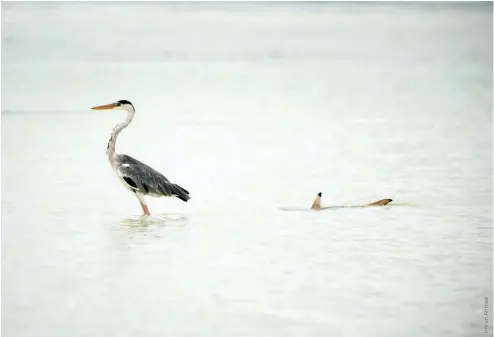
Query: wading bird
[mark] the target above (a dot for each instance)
(138, 177)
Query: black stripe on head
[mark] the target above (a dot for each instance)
(123, 101)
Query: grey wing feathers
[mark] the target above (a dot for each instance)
(147, 180)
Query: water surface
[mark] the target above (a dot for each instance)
(253, 108)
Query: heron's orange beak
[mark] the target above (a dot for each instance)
(104, 107)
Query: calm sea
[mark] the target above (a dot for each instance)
(254, 108)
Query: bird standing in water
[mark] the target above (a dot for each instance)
(136, 176)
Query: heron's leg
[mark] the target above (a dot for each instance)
(142, 201)
(145, 209)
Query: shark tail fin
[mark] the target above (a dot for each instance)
(382, 202)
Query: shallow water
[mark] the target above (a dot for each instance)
(361, 102)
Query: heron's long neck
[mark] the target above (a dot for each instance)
(110, 149)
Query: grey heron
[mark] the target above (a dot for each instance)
(136, 176)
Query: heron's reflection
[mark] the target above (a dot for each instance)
(145, 221)
(144, 230)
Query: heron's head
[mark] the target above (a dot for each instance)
(119, 105)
